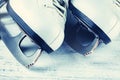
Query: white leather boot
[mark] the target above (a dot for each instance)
(42, 24)
(99, 16)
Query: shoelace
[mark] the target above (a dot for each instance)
(117, 2)
(59, 6)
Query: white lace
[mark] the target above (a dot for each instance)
(117, 2)
(57, 5)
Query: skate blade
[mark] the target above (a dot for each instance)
(19, 44)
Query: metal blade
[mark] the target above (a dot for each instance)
(21, 46)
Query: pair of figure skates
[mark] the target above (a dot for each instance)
(45, 24)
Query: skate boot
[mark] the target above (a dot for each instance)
(42, 28)
(78, 36)
(99, 16)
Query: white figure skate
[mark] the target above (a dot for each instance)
(42, 24)
(99, 16)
